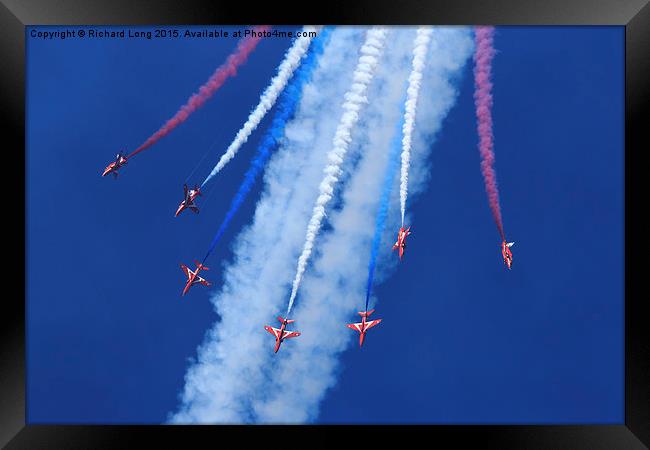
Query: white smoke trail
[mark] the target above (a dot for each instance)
(354, 99)
(229, 367)
(334, 287)
(291, 61)
(236, 377)
(420, 47)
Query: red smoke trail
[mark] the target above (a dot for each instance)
(483, 54)
(218, 78)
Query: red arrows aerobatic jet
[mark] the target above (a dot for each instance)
(507, 254)
(364, 325)
(112, 167)
(193, 276)
(281, 334)
(188, 201)
(401, 240)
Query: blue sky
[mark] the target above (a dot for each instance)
(462, 341)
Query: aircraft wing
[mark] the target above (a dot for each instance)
(355, 326)
(274, 331)
(290, 334)
(186, 270)
(372, 323)
(201, 280)
(194, 208)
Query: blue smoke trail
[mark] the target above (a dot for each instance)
(286, 108)
(384, 200)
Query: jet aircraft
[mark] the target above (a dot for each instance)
(120, 160)
(193, 276)
(188, 200)
(281, 333)
(364, 325)
(401, 240)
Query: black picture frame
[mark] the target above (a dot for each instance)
(634, 15)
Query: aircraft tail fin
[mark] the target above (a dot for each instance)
(198, 264)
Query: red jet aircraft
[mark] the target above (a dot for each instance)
(507, 254)
(112, 167)
(281, 334)
(364, 325)
(188, 201)
(401, 240)
(193, 276)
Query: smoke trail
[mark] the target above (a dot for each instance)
(234, 376)
(268, 98)
(218, 78)
(421, 45)
(354, 98)
(330, 290)
(228, 371)
(483, 54)
(285, 111)
(382, 212)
